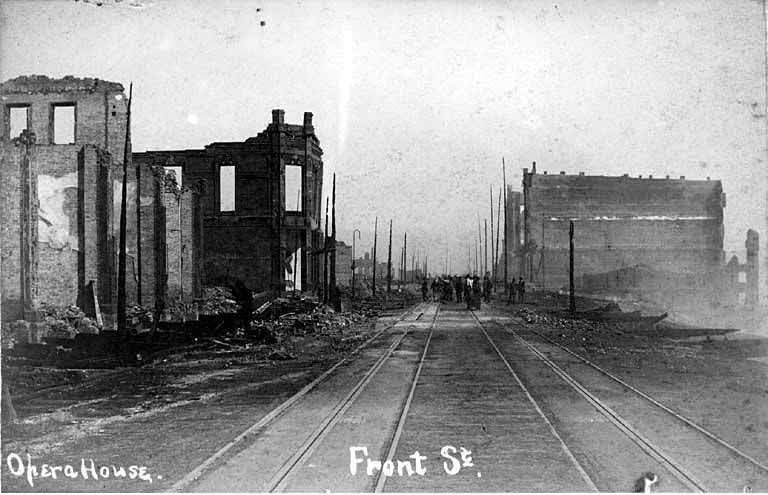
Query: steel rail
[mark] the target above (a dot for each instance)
(382, 479)
(193, 475)
(563, 446)
(623, 425)
(658, 404)
(277, 482)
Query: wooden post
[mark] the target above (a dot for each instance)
(498, 225)
(325, 254)
(493, 260)
(389, 260)
(121, 302)
(375, 236)
(570, 271)
(504, 175)
(485, 247)
(405, 257)
(332, 290)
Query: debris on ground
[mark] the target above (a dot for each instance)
(218, 300)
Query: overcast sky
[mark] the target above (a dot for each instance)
(415, 104)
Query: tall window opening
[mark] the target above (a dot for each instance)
(293, 190)
(19, 120)
(227, 188)
(64, 124)
(176, 172)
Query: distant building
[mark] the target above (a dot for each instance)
(344, 264)
(674, 226)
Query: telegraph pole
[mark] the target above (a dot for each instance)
(389, 260)
(405, 257)
(485, 246)
(493, 260)
(572, 298)
(325, 254)
(506, 262)
(498, 225)
(375, 236)
(332, 292)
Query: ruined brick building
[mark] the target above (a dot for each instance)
(61, 143)
(247, 211)
(671, 228)
(261, 205)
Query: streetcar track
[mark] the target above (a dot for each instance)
(660, 405)
(382, 479)
(622, 424)
(653, 450)
(582, 472)
(206, 465)
(278, 481)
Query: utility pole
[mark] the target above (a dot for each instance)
(493, 260)
(333, 294)
(504, 175)
(121, 302)
(375, 236)
(405, 257)
(469, 259)
(485, 246)
(354, 232)
(325, 254)
(498, 225)
(572, 298)
(389, 260)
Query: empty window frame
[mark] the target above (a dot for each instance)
(293, 190)
(63, 123)
(18, 120)
(227, 188)
(176, 172)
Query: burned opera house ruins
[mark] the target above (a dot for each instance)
(233, 212)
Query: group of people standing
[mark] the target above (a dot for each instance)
(469, 289)
(516, 291)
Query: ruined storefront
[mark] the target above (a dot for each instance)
(261, 208)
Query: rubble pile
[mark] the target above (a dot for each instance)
(66, 322)
(556, 322)
(287, 321)
(218, 300)
(139, 317)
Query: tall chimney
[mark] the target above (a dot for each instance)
(278, 116)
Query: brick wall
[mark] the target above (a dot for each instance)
(244, 244)
(10, 285)
(672, 225)
(71, 233)
(73, 236)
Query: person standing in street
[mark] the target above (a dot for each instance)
(512, 292)
(521, 290)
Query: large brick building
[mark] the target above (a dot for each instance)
(674, 226)
(56, 183)
(262, 204)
